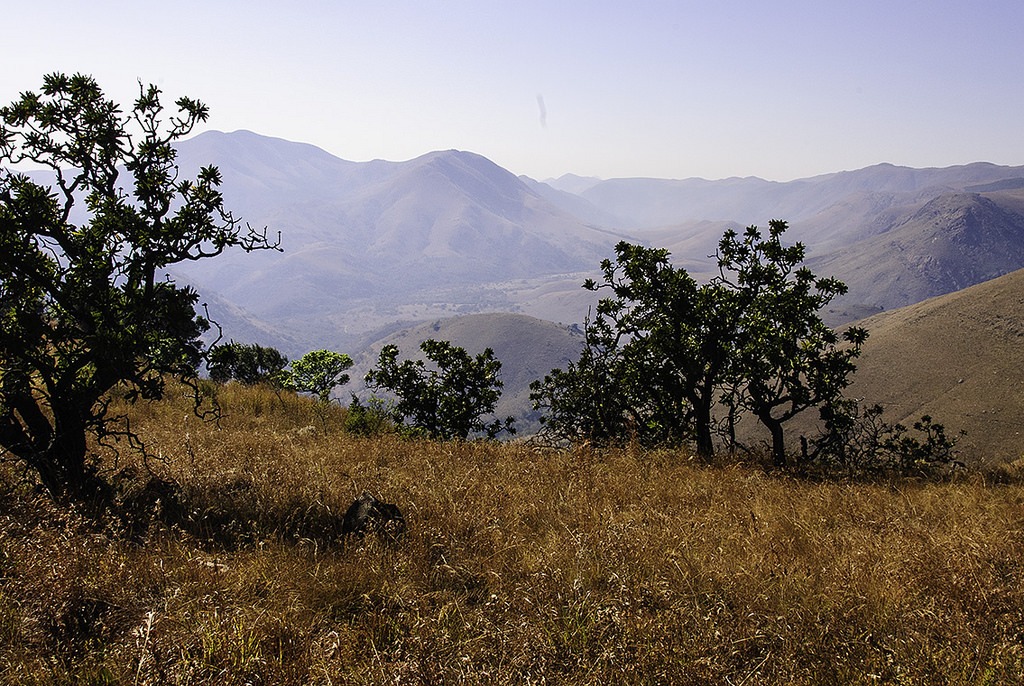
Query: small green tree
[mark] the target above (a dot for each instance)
(318, 372)
(249, 364)
(86, 306)
(786, 358)
(448, 401)
(372, 419)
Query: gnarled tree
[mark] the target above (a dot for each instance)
(787, 359)
(84, 301)
(664, 351)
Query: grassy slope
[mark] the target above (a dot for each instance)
(519, 567)
(958, 357)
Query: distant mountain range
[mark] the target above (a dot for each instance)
(370, 244)
(371, 247)
(378, 252)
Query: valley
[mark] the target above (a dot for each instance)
(451, 245)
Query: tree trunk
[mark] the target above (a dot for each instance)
(61, 465)
(702, 428)
(774, 426)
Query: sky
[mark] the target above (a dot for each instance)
(777, 89)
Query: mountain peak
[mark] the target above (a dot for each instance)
(247, 145)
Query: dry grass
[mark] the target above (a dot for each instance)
(519, 566)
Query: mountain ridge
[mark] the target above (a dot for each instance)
(372, 245)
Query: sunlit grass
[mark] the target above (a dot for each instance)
(519, 566)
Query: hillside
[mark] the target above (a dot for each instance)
(518, 566)
(369, 244)
(959, 358)
(375, 246)
(951, 242)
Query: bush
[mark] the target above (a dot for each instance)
(857, 440)
(372, 419)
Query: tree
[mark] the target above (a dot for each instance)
(589, 400)
(664, 351)
(446, 402)
(84, 302)
(787, 358)
(679, 341)
(319, 372)
(657, 355)
(249, 364)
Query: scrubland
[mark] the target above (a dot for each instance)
(520, 565)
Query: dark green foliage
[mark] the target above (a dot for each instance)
(249, 364)
(447, 401)
(787, 359)
(318, 372)
(858, 441)
(911, 455)
(656, 353)
(664, 351)
(86, 306)
(371, 419)
(587, 400)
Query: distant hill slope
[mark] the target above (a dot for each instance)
(959, 358)
(375, 245)
(653, 203)
(527, 347)
(951, 242)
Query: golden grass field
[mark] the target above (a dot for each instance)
(520, 566)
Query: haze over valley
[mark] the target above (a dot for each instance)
(369, 247)
(392, 251)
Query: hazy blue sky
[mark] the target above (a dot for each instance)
(605, 88)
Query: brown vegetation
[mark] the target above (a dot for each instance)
(518, 566)
(958, 358)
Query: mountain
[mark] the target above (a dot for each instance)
(951, 242)
(959, 358)
(369, 244)
(572, 203)
(895, 235)
(572, 183)
(370, 247)
(642, 203)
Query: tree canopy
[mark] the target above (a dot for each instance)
(84, 300)
(318, 372)
(448, 399)
(247, 363)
